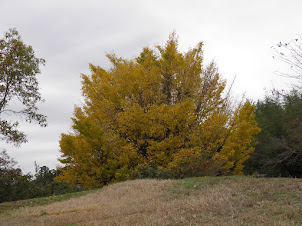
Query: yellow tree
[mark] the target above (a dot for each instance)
(162, 109)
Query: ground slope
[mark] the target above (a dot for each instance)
(192, 201)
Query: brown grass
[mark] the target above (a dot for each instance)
(193, 201)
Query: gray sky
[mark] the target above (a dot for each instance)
(237, 34)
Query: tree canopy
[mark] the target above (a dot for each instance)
(18, 84)
(163, 109)
(279, 149)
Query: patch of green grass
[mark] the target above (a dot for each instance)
(188, 185)
(8, 206)
(195, 182)
(43, 213)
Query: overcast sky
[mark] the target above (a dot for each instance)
(237, 34)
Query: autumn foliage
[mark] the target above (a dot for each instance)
(162, 110)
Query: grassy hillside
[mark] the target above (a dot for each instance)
(192, 201)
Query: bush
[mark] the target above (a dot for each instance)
(151, 172)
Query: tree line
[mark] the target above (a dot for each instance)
(15, 185)
(279, 148)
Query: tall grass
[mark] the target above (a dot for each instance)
(191, 201)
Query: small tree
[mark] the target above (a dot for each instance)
(18, 83)
(6, 163)
(291, 54)
(13, 184)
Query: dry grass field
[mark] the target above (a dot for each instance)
(191, 201)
